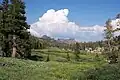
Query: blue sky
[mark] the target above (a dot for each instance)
(83, 12)
(82, 20)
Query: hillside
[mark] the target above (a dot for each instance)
(17, 69)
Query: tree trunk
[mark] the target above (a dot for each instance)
(14, 50)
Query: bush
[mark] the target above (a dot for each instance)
(36, 58)
(109, 72)
(77, 76)
(61, 59)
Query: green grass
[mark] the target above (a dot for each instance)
(35, 70)
(56, 54)
(17, 69)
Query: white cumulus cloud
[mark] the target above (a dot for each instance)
(57, 25)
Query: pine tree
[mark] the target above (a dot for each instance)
(0, 33)
(76, 51)
(111, 44)
(18, 30)
(14, 29)
(68, 56)
(4, 24)
(108, 36)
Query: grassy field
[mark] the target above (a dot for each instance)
(17, 69)
(61, 55)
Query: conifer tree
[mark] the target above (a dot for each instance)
(18, 30)
(111, 48)
(4, 24)
(77, 51)
(68, 56)
(15, 29)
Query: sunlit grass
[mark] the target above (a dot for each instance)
(17, 69)
(36, 70)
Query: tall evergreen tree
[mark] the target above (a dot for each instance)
(18, 30)
(14, 28)
(4, 24)
(111, 48)
(77, 51)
